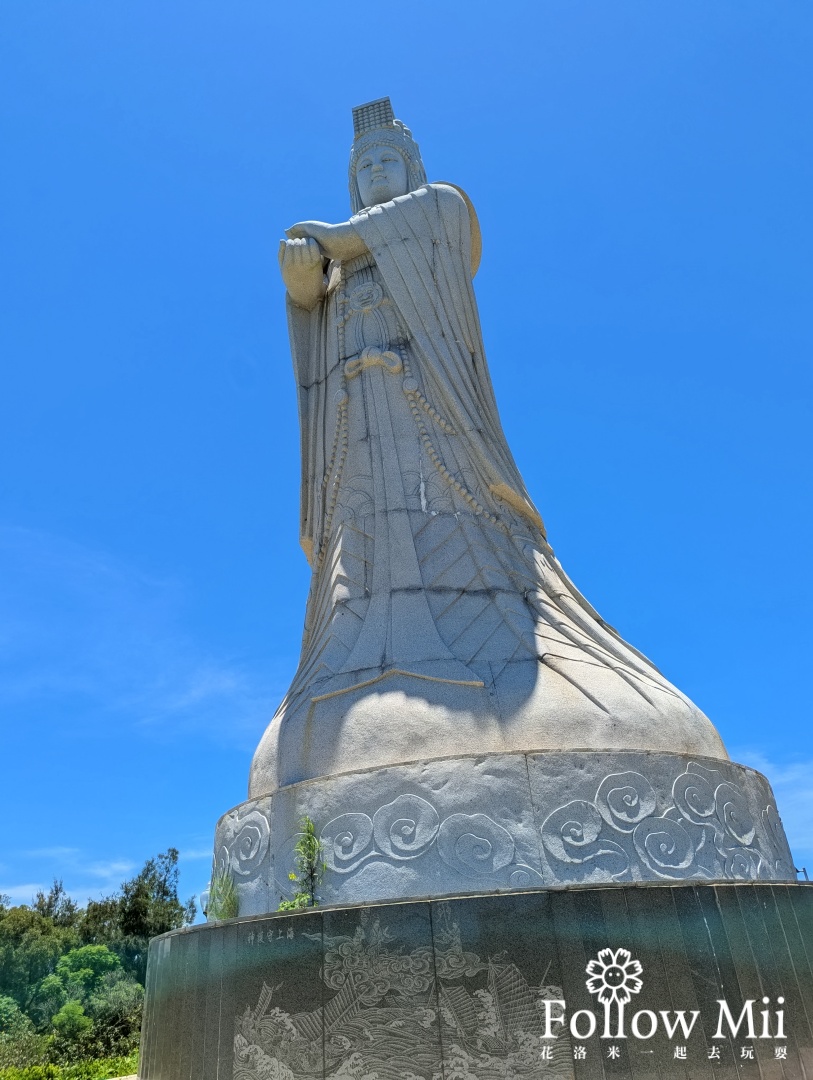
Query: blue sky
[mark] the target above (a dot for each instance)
(643, 176)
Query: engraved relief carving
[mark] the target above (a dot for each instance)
(405, 827)
(624, 799)
(476, 842)
(664, 846)
(699, 827)
(409, 826)
(243, 843)
(385, 1002)
(707, 832)
(571, 834)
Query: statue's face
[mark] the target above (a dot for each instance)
(381, 174)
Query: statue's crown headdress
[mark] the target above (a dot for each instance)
(374, 124)
(373, 115)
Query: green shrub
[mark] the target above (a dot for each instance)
(72, 1022)
(72, 1032)
(101, 1069)
(116, 1008)
(23, 1049)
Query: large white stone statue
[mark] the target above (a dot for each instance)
(455, 690)
(439, 617)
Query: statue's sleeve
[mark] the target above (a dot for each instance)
(308, 345)
(422, 244)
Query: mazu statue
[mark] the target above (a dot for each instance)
(461, 718)
(466, 739)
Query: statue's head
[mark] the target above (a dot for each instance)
(385, 161)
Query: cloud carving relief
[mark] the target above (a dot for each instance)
(708, 832)
(409, 826)
(245, 846)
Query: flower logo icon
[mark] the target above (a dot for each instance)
(614, 977)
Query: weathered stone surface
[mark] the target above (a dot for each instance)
(508, 822)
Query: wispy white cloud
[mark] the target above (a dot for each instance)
(50, 853)
(195, 853)
(84, 877)
(90, 642)
(113, 871)
(72, 865)
(21, 894)
(80, 627)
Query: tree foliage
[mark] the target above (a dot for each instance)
(72, 978)
(13, 1020)
(57, 906)
(149, 906)
(30, 945)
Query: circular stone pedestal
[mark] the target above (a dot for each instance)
(502, 822)
(680, 980)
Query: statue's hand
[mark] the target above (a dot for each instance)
(340, 242)
(300, 261)
(299, 254)
(313, 230)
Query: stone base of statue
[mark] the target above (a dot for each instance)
(504, 822)
(640, 980)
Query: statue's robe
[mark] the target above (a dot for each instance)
(438, 615)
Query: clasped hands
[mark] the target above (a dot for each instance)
(304, 255)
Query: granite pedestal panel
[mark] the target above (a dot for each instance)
(639, 981)
(504, 822)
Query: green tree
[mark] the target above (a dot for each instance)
(146, 905)
(19, 1044)
(48, 998)
(72, 1029)
(100, 922)
(90, 1005)
(13, 1021)
(116, 1007)
(57, 906)
(81, 970)
(30, 945)
(78, 975)
(150, 906)
(69, 988)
